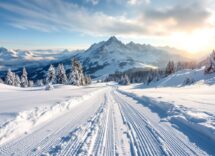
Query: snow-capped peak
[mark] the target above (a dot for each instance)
(112, 55)
(113, 39)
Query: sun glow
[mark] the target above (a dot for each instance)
(197, 41)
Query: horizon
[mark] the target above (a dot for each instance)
(68, 24)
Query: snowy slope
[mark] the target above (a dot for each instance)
(179, 79)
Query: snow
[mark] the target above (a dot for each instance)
(179, 78)
(25, 120)
(191, 105)
(107, 119)
(113, 55)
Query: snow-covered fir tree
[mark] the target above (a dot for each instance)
(51, 74)
(24, 78)
(61, 74)
(76, 77)
(17, 81)
(124, 80)
(170, 68)
(210, 67)
(10, 77)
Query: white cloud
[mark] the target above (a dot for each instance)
(93, 2)
(135, 2)
(56, 15)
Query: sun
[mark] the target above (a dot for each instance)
(194, 42)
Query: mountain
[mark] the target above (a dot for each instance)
(16, 59)
(112, 55)
(98, 60)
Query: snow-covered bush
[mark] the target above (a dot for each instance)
(30, 83)
(188, 81)
(49, 86)
(88, 80)
(39, 83)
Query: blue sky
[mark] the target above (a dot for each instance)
(76, 24)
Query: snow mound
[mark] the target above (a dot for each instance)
(49, 87)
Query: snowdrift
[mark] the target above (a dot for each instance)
(26, 120)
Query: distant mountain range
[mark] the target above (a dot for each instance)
(99, 60)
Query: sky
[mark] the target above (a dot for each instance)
(76, 24)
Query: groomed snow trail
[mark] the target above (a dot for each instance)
(108, 124)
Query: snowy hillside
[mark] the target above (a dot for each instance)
(185, 77)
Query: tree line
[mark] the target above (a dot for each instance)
(54, 76)
(146, 76)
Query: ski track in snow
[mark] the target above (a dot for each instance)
(109, 124)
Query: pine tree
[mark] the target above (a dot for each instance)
(76, 76)
(210, 67)
(10, 78)
(51, 74)
(124, 80)
(149, 78)
(24, 78)
(17, 81)
(179, 66)
(61, 75)
(170, 68)
(81, 75)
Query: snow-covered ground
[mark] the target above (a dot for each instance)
(183, 78)
(106, 119)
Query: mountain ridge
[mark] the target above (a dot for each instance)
(100, 59)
